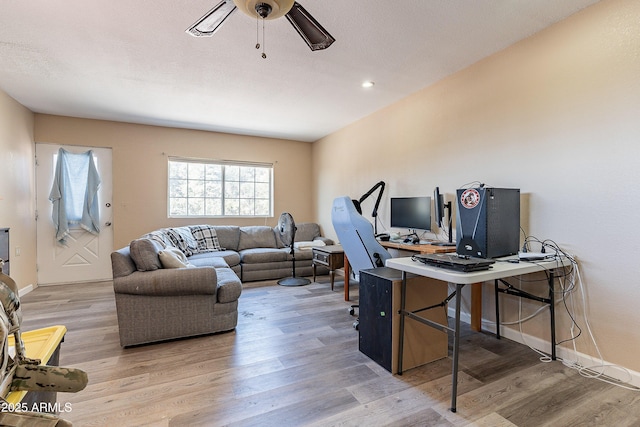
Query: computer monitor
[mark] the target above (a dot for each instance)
(439, 206)
(411, 212)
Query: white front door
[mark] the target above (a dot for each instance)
(83, 257)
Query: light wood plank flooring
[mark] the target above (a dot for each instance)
(293, 360)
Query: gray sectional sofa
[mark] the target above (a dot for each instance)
(185, 281)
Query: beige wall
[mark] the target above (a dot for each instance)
(17, 188)
(140, 168)
(556, 116)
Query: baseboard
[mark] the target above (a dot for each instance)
(22, 292)
(620, 374)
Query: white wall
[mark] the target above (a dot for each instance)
(555, 115)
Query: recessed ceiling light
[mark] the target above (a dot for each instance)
(368, 84)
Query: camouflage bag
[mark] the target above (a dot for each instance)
(21, 373)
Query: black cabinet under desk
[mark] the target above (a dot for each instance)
(379, 324)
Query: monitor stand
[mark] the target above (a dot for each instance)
(447, 207)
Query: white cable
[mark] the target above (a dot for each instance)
(596, 371)
(585, 371)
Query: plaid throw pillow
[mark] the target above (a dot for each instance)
(182, 239)
(206, 238)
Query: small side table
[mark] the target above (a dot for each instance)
(330, 256)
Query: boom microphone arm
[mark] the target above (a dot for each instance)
(374, 214)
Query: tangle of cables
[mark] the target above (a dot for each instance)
(572, 296)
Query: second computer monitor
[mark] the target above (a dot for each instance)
(411, 212)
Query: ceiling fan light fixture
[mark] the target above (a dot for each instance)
(314, 35)
(212, 20)
(279, 8)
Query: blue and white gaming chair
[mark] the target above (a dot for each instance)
(357, 237)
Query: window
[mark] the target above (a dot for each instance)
(204, 188)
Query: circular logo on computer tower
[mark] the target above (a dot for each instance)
(470, 198)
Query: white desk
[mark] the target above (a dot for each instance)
(500, 270)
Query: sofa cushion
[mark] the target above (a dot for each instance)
(209, 259)
(228, 236)
(173, 258)
(303, 254)
(213, 259)
(182, 239)
(258, 236)
(307, 231)
(144, 253)
(229, 285)
(121, 262)
(206, 238)
(261, 255)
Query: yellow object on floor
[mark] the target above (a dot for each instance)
(39, 344)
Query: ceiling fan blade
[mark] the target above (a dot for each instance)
(212, 20)
(309, 29)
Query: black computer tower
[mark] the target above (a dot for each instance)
(488, 222)
(375, 315)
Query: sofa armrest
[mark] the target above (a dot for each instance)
(327, 241)
(169, 282)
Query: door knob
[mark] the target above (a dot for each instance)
(108, 224)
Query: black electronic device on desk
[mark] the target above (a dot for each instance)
(412, 239)
(440, 207)
(462, 263)
(488, 221)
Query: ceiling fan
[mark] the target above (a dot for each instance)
(316, 37)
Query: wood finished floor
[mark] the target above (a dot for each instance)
(293, 360)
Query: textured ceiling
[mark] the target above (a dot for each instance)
(132, 61)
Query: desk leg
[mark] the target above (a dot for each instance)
(347, 274)
(476, 307)
(456, 347)
(403, 301)
(495, 284)
(552, 309)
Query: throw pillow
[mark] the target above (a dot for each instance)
(308, 245)
(206, 238)
(182, 239)
(173, 258)
(144, 253)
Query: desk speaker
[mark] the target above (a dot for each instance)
(488, 222)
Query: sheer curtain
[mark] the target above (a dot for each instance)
(75, 193)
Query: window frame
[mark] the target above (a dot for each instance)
(224, 182)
